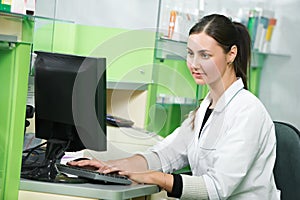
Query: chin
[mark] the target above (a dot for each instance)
(200, 82)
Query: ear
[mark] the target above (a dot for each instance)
(231, 54)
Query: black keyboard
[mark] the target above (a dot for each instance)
(113, 178)
(118, 121)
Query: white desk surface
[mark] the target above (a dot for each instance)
(116, 136)
(89, 190)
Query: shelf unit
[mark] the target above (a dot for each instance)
(171, 78)
(16, 44)
(15, 49)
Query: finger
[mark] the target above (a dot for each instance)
(94, 163)
(72, 162)
(111, 169)
(79, 163)
(124, 173)
(103, 168)
(82, 163)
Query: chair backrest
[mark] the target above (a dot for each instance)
(287, 165)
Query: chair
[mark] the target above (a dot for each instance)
(287, 164)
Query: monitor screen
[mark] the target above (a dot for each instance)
(70, 106)
(70, 100)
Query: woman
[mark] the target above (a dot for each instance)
(229, 141)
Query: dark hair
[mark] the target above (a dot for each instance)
(227, 34)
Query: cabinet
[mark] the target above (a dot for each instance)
(16, 33)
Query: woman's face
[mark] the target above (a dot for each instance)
(206, 60)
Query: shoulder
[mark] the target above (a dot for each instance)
(245, 104)
(246, 99)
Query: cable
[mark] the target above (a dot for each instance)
(29, 152)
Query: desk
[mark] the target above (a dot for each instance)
(122, 142)
(88, 190)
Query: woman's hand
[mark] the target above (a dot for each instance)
(164, 181)
(136, 163)
(141, 177)
(101, 166)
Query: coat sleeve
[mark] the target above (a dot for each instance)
(172, 151)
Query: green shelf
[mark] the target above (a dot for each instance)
(16, 36)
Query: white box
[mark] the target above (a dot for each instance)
(18, 6)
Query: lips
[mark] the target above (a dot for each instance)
(198, 75)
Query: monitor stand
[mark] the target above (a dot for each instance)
(47, 170)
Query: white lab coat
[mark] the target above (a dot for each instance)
(235, 153)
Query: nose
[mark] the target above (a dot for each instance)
(195, 62)
(195, 66)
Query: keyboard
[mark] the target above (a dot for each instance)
(111, 178)
(118, 121)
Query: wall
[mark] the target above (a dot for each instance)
(279, 86)
(128, 14)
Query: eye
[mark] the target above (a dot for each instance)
(205, 55)
(190, 53)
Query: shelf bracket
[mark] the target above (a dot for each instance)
(7, 45)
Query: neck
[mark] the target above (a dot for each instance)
(219, 87)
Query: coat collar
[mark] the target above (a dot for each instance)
(227, 96)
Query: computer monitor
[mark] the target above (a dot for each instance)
(70, 107)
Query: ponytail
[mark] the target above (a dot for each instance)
(243, 58)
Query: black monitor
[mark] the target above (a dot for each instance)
(70, 107)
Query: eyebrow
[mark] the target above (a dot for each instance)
(200, 51)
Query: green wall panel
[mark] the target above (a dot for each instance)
(43, 35)
(129, 53)
(14, 69)
(174, 78)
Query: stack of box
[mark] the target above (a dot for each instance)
(261, 23)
